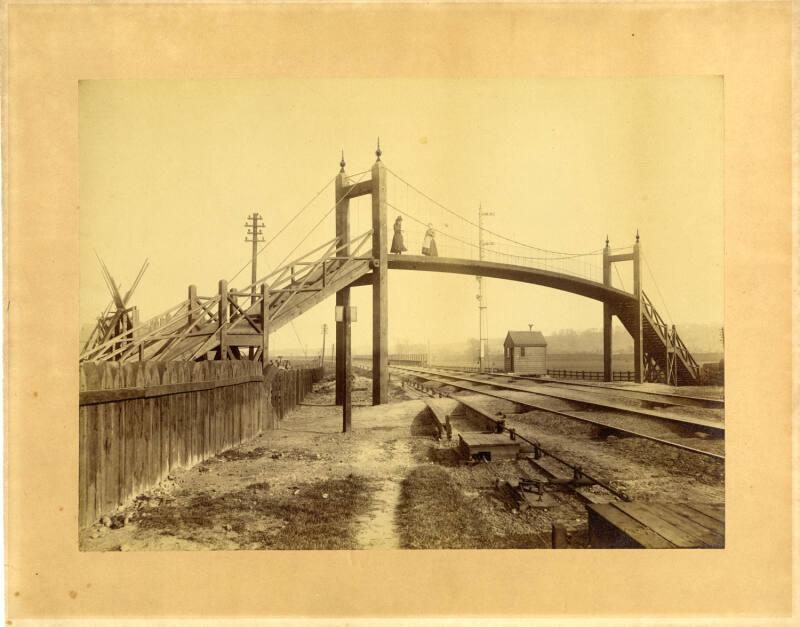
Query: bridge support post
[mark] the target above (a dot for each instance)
(192, 305)
(380, 286)
(343, 295)
(638, 334)
(347, 380)
(607, 317)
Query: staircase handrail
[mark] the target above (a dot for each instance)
(670, 337)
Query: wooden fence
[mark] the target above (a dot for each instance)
(591, 375)
(139, 421)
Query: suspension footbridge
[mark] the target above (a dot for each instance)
(235, 323)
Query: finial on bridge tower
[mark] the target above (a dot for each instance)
(378, 152)
(637, 236)
(342, 162)
(606, 240)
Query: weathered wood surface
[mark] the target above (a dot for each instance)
(656, 525)
(178, 414)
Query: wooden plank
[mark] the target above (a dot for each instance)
(632, 529)
(149, 473)
(171, 407)
(83, 453)
(184, 409)
(131, 414)
(188, 406)
(713, 510)
(90, 447)
(113, 427)
(685, 510)
(701, 536)
(94, 397)
(195, 418)
(236, 408)
(152, 374)
(132, 377)
(99, 446)
(704, 536)
(237, 411)
(208, 397)
(212, 415)
(654, 520)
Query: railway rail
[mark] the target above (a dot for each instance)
(661, 397)
(577, 478)
(714, 427)
(467, 383)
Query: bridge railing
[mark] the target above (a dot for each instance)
(669, 335)
(184, 320)
(586, 266)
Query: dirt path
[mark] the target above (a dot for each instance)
(305, 486)
(377, 528)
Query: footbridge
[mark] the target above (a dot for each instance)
(235, 323)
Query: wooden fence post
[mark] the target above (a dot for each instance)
(222, 314)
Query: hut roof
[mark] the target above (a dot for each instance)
(525, 338)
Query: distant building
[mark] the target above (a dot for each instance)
(525, 352)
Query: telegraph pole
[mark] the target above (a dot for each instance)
(483, 334)
(254, 225)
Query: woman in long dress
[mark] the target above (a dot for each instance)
(429, 243)
(397, 241)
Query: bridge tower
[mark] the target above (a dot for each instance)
(637, 331)
(343, 295)
(346, 190)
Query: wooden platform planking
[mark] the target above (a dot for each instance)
(656, 525)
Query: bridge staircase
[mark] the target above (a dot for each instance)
(230, 325)
(666, 358)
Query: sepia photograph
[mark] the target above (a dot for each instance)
(316, 315)
(399, 313)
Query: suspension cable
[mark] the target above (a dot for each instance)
(299, 341)
(283, 228)
(619, 276)
(321, 220)
(658, 289)
(468, 221)
(445, 233)
(458, 239)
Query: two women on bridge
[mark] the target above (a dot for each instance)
(428, 244)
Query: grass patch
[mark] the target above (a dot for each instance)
(321, 515)
(434, 514)
(235, 454)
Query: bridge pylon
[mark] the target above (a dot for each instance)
(343, 295)
(345, 190)
(636, 329)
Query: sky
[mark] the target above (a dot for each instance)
(170, 170)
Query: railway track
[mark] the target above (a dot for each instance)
(660, 398)
(525, 396)
(666, 399)
(715, 427)
(560, 473)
